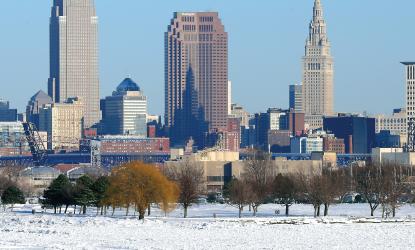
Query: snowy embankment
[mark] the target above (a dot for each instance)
(346, 228)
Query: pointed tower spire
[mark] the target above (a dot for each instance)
(318, 10)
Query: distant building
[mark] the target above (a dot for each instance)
(296, 123)
(196, 76)
(12, 139)
(358, 132)
(395, 123)
(333, 144)
(133, 145)
(296, 98)
(238, 111)
(385, 139)
(318, 70)
(298, 145)
(410, 103)
(125, 112)
(34, 106)
(278, 141)
(64, 124)
(232, 136)
(74, 55)
(6, 113)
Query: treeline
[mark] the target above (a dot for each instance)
(386, 186)
(133, 185)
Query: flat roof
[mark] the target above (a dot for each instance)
(408, 63)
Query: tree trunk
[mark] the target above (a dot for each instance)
(185, 211)
(128, 210)
(54, 207)
(84, 210)
(315, 211)
(60, 209)
(142, 212)
(326, 209)
(249, 207)
(287, 210)
(240, 212)
(372, 211)
(66, 208)
(318, 211)
(148, 210)
(113, 211)
(393, 211)
(255, 209)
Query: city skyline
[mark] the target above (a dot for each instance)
(273, 78)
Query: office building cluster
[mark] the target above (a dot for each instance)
(199, 110)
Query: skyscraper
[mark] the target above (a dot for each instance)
(410, 103)
(296, 98)
(74, 55)
(318, 69)
(196, 76)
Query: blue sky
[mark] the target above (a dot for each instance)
(266, 42)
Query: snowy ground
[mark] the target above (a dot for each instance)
(346, 228)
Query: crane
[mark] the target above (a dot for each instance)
(36, 145)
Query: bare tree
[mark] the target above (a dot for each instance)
(333, 186)
(238, 194)
(369, 184)
(190, 178)
(312, 187)
(393, 187)
(259, 176)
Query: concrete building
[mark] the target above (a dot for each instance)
(64, 124)
(6, 113)
(196, 76)
(318, 70)
(296, 98)
(125, 112)
(410, 103)
(221, 167)
(74, 56)
(358, 132)
(34, 106)
(396, 123)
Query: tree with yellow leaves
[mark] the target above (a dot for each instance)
(138, 184)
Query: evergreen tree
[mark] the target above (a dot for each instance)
(84, 195)
(12, 195)
(58, 193)
(99, 188)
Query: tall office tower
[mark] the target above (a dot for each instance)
(296, 98)
(196, 76)
(74, 55)
(410, 103)
(317, 70)
(125, 112)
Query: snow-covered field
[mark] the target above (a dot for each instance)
(346, 228)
